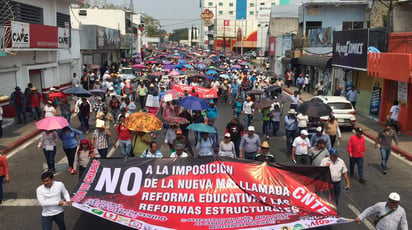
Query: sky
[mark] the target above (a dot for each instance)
(173, 14)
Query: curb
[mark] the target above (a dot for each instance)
(20, 141)
(395, 149)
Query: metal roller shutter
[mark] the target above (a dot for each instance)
(8, 83)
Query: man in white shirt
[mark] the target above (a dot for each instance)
(179, 153)
(248, 111)
(337, 168)
(394, 115)
(300, 148)
(52, 195)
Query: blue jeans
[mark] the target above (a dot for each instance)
(1, 187)
(125, 147)
(359, 162)
(84, 121)
(21, 113)
(290, 136)
(336, 188)
(265, 128)
(385, 153)
(248, 119)
(234, 96)
(103, 153)
(36, 112)
(50, 158)
(47, 221)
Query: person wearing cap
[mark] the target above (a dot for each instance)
(306, 83)
(264, 154)
(384, 139)
(337, 168)
(300, 148)
(291, 129)
(100, 138)
(389, 215)
(211, 112)
(82, 157)
(320, 135)
(18, 100)
(248, 111)
(49, 109)
(236, 131)
(356, 149)
(152, 151)
(181, 139)
(333, 130)
(227, 147)
(179, 153)
(105, 116)
(318, 152)
(249, 144)
(35, 99)
(294, 100)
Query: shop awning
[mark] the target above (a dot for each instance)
(286, 60)
(313, 60)
(246, 44)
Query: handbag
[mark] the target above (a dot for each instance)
(378, 218)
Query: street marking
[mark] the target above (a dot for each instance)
(20, 202)
(365, 221)
(23, 146)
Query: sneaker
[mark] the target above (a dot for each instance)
(70, 169)
(384, 172)
(73, 171)
(362, 181)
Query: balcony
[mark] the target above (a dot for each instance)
(391, 66)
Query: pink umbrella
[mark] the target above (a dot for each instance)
(52, 123)
(174, 73)
(139, 66)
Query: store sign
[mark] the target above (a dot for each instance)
(20, 35)
(375, 101)
(206, 193)
(350, 49)
(207, 17)
(29, 35)
(272, 45)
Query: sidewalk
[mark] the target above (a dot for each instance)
(370, 128)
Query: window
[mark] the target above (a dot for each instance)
(62, 20)
(210, 3)
(262, 3)
(231, 4)
(352, 25)
(312, 25)
(82, 12)
(230, 12)
(220, 12)
(26, 13)
(220, 3)
(251, 4)
(251, 12)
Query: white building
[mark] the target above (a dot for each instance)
(250, 18)
(38, 45)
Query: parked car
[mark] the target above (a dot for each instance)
(126, 73)
(250, 54)
(342, 109)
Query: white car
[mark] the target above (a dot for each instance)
(342, 109)
(126, 73)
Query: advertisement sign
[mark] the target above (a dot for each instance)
(202, 92)
(42, 36)
(263, 14)
(207, 17)
(350, 49)
(64, 38)
(403, 92)
(375, 101)
(320, 37)
(272, 45)
(226, 22)
(20, 35)
(206, 193)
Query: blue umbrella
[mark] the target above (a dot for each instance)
(193, 103)
(245, 63)
(182, 61)
(210, 77)
(188, 66)
(78, 92)
(179, 66)
(168, 67)
(211, 72)
(201, 66)
(225, 76)
(96, 91)
(200, 127)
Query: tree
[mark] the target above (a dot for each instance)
(179, 34)
(151, 27)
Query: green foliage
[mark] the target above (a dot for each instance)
(179, 34)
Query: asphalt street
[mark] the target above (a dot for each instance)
(21, 211)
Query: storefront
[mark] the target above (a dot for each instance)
(318, 68)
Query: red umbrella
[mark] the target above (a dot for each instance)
(139, 66)
(58, 95)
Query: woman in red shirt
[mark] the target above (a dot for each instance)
(4, 174)
(124, 136)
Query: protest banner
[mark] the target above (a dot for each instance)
(201, 92)
(207, 193)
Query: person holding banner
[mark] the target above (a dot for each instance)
(300, 148)
(84, 154)
(337, 169)
(264, 154)
(204, 145)
(152, 151)
(179, 153)
(249, 144)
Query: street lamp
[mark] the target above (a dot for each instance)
(262, 46)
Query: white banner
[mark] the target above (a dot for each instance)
(152, 101)
(20, 35)
(64, 38)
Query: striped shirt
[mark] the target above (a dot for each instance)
(100, 139)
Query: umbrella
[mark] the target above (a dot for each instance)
(52, 123)
(168, 67)
(211, 72)
(200, 127)
(142, 78)
(96, 91)
(182, 61)
(245, 63)
(176, 120)
(254, 92)
(191, 72)
(262, 103)
(143, 122)
(179, 66)
(314, 109)
(174, 73)
(193, 103)
(188, 66)
(272, 88)
(152, 77)
(139, 66)
(58, 95)
(201, 66)
(225, 76)
(78, 92)
(235, 67)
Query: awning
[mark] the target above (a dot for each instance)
(246, 44)
(313, 60)
(285, 60)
